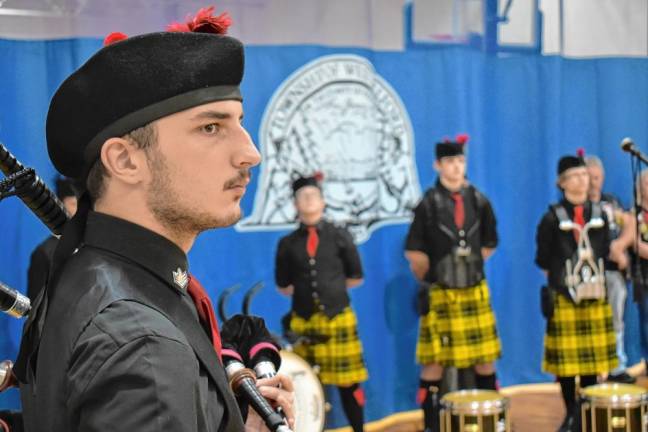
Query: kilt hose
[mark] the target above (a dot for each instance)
(340, 357)
(580, 338)
(459, 330)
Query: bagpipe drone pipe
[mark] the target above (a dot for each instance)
(23, 182)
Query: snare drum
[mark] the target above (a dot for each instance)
(309, 403)
(475, 411)
(613, 407)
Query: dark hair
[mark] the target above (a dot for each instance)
(67, 187)
(143, 138)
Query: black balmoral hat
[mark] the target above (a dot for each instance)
(447, 147)
(569, 161)
(314, 180)
(131, 82)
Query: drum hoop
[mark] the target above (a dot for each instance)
(619, 402)
(617, 397)
(496, 405)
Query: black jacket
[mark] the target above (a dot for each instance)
(433, 230)
(555, 246)
(320, 281)
(122, 348)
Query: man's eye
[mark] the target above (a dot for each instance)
(211, 128)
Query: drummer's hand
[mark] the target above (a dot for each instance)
(278, 390)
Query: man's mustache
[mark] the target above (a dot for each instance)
(242, 179)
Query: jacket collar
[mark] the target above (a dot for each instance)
(140, 245)
(319, 225)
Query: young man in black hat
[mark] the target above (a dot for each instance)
(68, 191)
(452, 234)
(316, 265)
(579, 339)
(129, 341)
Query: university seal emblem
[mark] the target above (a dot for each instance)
(338, 116)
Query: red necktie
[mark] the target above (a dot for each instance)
(578, 219)
(205, 311)
(459, 214)
(312, 241)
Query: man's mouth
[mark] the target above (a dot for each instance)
(239, 183)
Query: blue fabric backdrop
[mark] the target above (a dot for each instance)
(522, 112)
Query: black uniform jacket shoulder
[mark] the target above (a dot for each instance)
(122, 348)
(320, 281)
(555, 246)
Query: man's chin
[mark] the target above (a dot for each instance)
(230, 219)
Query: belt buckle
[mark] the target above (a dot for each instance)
(463, 251)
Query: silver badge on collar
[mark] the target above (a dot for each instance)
(181, 278)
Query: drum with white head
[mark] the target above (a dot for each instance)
(309, 403)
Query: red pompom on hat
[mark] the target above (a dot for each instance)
(318, 176)
(114, 37)
(580, 151)
(448, 148)
(462, 138)
(204, 22)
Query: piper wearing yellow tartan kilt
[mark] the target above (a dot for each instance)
(452, 234)
(460, 328)
(573, 240)
(316, 265)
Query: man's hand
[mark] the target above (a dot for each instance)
(643, 249)
(419, 263)
(487, 252)
(287, 291)
(352, 283)
(279, 391)
(618, 254)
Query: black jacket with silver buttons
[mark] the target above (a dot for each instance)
(320, 282)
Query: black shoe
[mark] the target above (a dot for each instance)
(568, 424)
(622, 377)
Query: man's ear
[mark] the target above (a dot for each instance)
(124, 161)
(436, 165)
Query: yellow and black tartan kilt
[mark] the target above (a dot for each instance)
(580, 338)
(460, 328)
(340, 357)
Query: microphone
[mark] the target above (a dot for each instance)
(627, 145)
(243, 384)
(35, 194)
(13, 302)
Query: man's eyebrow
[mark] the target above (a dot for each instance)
(214, 115)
